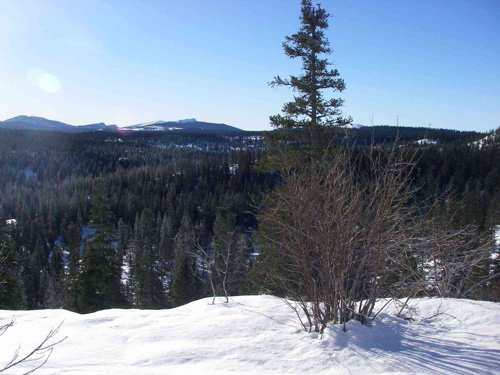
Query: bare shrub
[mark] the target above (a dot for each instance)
(342, 232)
(455, 262)
(222, 264)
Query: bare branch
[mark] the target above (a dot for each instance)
(39, 355)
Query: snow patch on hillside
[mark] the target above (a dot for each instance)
(426, 141)
(353, 126)
(489, 140)
(260, 335)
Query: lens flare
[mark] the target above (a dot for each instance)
(49, 83)
(44, 80)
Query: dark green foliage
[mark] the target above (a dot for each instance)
(167, 234)
(36, 275)
(160, 181)
(310, 109)
(72, 237)
(185, 285)
(47, 180)
(53, 290)
(147, 269)
(99, 281)
(99, 285)
(12, 294)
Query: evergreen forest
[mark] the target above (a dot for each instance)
(151, 220)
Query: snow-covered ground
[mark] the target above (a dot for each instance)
(260, 334)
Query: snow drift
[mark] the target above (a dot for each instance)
(260, 334)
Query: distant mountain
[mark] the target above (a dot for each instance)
(101, 126)
(33, 122)
(187, 124)
(40, 123)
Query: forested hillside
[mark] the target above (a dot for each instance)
(163, 211)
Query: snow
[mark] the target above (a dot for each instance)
(488, 140)
(260, 335)
(426, 141)
(125, 274)
(353, 126)
(233, 168)
(11, 222)
(29, 173)
(495, 254)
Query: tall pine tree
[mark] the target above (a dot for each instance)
(146, 272)
(12, 294)
(99, 281)
(72, 238)
(311, 110)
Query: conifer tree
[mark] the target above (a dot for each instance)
(147, 289)
(123, 237)
(35, 284)
(166, 242)
(11, 286)
(99, 284)
(73, 239)
(52, 292)
(185, 286)
(311, 110)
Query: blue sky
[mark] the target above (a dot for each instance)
(124, 62)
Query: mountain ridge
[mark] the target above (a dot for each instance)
(41, 123)
(186, 124)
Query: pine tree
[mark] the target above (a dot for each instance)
(12, 294)
(34, 282)
(123, 237)
(53, 290)
(310, 109)
(185, 286)
(73, 238)
(146, 286)
(166, 242)
(99, 282)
